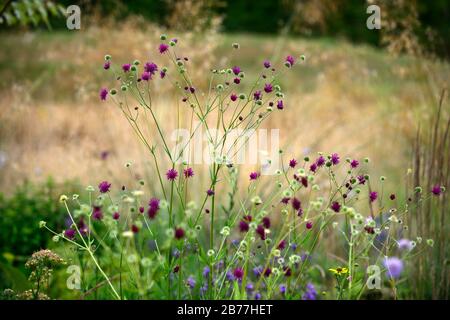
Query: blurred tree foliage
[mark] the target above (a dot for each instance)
(29, 12)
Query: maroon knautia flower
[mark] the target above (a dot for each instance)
(163, 48)
(162, 74)
(267, 64)
(192, 89)
(282, 245)
(266, 222)
(179, 233)
(304, 181)
(280, 105)
(97, 213)
(69, 233)
(313, 167)
(361, 179)
(268, 88)
(151, 67)
(210, 192)
(188, 173)
(116, 216)
(320, 161)
(354, 164)
(254, 175)
(335, 159)
(267, 272)
(392, 196)
(287, 271)
(309, 225)
(146, 76)
(335, 206)
(436, 190)
(233, 97)
(292, 163)
(296, 204)
(141, 209)
(134, 228)
(171, 174)
(238, 273)
(257, 95)
(373, 195)
(103, 93)
(236, 70)
(290, 60)
(153, 208)
(126, 67)
(104, 186)
(244, 226)
(261, 232)
(107, 65)
(237, 80)
(285, 200)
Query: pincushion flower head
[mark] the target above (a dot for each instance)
(236, 70)
(354, 164)
(69, 233)
(394, 267)
(188, 173)
(146, 76)
(104, 186)
(405, 244)
(151, 67)
(280, 105)
(171, 174)
(334, 158)
(254, 175)
(373, 196)
(233, 97)
(179, 233)
(268, 88)
(267, 64)
(97, 213)
(320, 161)
(107, 65)
(238, 273)
(257, 95)
(290, 60)
(103, 93)
(335, 206)
(126, 67)
(163, 48)
(153, 207)
(292, 163)
(436, 190)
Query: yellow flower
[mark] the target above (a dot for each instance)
(339, 271)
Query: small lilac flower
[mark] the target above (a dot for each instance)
(354, 164)
(103, 93)
(236, 70)
(268, 88)
(405, 244)
(210, 192)
(290, 60)
(282, 289)
(230, 276)
(257, 296)
(249, 287)
(126, 67)
(267, 64)
(151, 67)
(292, 163)
(280, 105)
(104, 186)
(188, 173)
(334, 158)
(69, 233)
(257, 271)
(190, 282)
(394, 267)
(107, 65)
(335, 206)
(254, 175)
(373, 196)
(163, 48)
(310, 293)
(238, 273)
(146, 76)
(436, 190)
(293, 246)
(206, 271)
(233, 97)
(257, 95)
(171, 174)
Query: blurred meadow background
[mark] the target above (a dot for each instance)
(381, 94)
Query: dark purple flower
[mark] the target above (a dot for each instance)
(282, 245)
(292, 163)
(267, 272)
(373, 195)
(335, 206)
(146, 76)
(309, 225)
(233, 97)
(254, 175)
(280, 105)
(285, 200)
(334, 158)
(116, 216)
(236, 70)
(238, 273)
(134, 228)
(290, 60)
(151, 67)
(162, 74)
(237, 80)
(261, 232)
(243, 226)
(126, 67)
(206, 271)
(141, 209)
(436, 190)
(103, 93)
(69, 233)
(296, 204)
(361, 179)
(188, 173)
(104, 186)
(179, 233)
(267, 64)
(266, 222)
(313, 167)
(354, 164)
(107, 65)
(282, 289)
(304, 181)
(163, 48)
(257, 95)
(310, 292)
(210, 192)
(97, 213)
(320, 161)
(257, 296)
(268, 88)
(171, 174)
